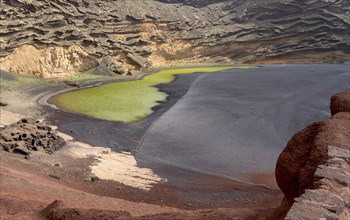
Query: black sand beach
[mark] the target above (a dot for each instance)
(232, 123)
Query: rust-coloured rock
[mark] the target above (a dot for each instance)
(340, 102)
(57, 210)
(306, 150)
(329, 198)
(294, 158)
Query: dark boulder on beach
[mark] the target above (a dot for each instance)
(28, 135)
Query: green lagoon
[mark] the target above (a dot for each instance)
(129, 101)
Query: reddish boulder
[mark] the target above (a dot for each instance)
(340, 102)
(304, 153)
(306, 150)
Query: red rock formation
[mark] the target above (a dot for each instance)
(330, 197)
(307, 149)
(340, 102)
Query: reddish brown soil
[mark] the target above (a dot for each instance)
(26, 189)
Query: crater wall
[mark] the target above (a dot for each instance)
(137, 35)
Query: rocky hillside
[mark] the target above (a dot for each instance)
(76, 35)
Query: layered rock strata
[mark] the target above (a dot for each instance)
(137, 35)
(52, 61)
(315, 164)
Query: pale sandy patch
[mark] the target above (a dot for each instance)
(7, 117)
(121, 167)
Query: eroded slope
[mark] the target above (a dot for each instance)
(135, 35)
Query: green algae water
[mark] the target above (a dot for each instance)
(129, 101)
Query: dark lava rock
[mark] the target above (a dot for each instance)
(95, 179)
(28, 135)
(72, 83)
(55, 176)
(109, 66)
(4, 75)
(138, 60)
(3, 103)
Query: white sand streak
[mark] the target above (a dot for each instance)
(7, 117)
(121, 167)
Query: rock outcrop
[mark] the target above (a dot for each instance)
(29, 135)
(309, 157)
(48, 62)
(330, 198)
(158, 31)
(340, 102)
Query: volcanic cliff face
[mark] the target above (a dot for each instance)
(315, 166)
(138, 34)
